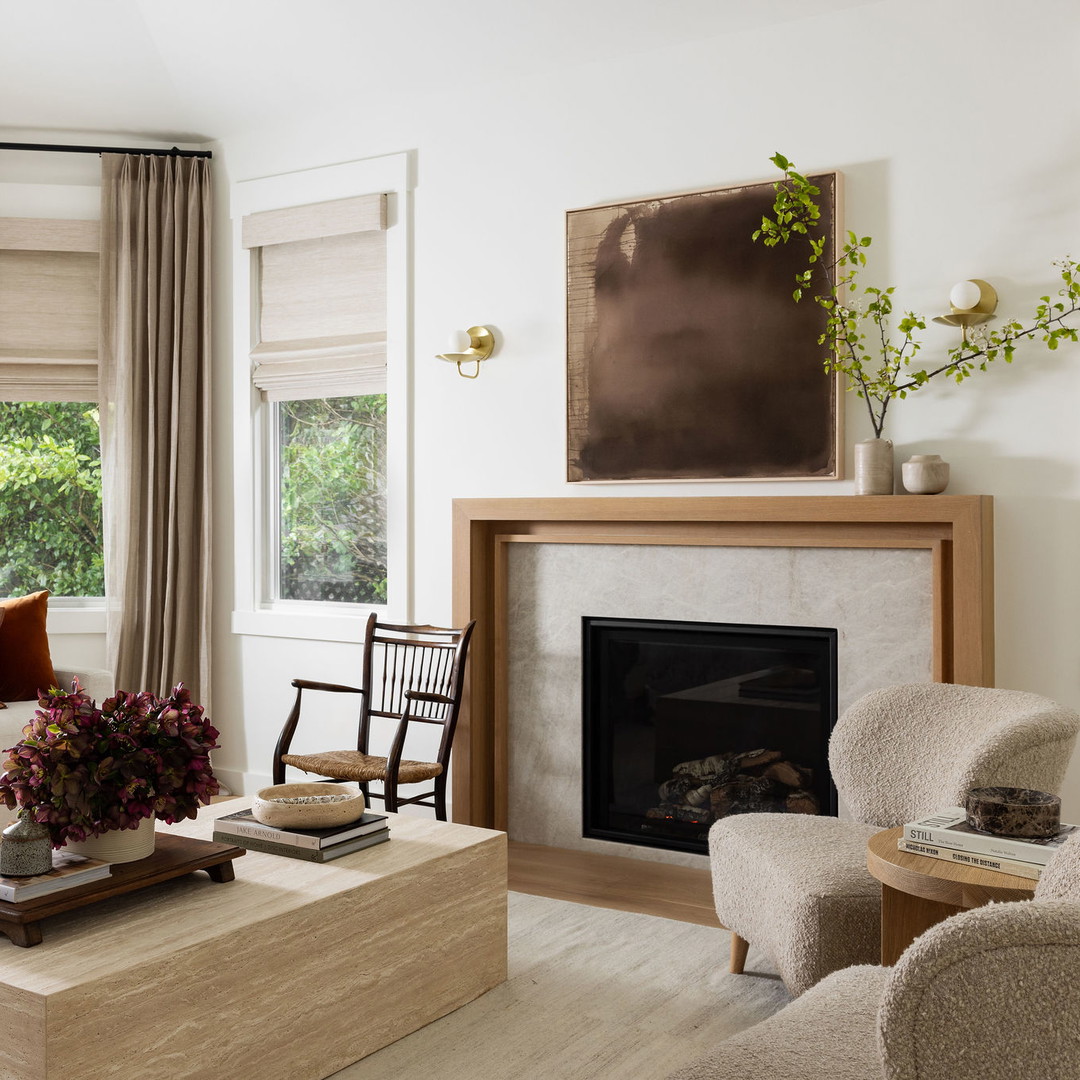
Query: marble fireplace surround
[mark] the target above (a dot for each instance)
(950, 534)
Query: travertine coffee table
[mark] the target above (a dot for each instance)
(290, 972)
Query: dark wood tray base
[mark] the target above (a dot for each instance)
(174, 856)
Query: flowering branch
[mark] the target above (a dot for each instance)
(885, 371)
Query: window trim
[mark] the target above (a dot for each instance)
(254, 518)
(76, 615)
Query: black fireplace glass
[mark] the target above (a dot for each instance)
(688, 722)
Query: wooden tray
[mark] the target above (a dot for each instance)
(174, 856)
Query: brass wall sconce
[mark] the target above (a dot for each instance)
(469, 346)
(972, 302)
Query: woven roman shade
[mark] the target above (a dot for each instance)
(48, 310)
(321, 298)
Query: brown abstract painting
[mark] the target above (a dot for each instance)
(687, 358)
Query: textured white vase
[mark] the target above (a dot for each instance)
(925, 474)
(119, 845)
(874, 467)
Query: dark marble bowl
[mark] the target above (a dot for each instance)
(1019, 812)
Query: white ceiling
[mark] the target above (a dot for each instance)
(195, 70)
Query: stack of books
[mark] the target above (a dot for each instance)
(68, 872)
(947, 835)
(314, 845)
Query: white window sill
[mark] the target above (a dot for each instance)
(75, 620)
(308, 626)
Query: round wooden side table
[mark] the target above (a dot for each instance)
(917, 891)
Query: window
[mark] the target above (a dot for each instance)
(50, 453)
(319, 283)
(50, 499)
(331, 460)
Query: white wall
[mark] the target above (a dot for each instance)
(956, 127)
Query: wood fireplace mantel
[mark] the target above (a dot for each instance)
(956, 529)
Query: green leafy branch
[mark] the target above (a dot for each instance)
(860, 336)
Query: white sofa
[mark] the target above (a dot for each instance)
(97, 682)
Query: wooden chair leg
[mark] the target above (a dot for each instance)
(440, 798)
(739, 947)
(390, 795)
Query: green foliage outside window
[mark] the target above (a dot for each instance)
(50, 499)
(332, 489)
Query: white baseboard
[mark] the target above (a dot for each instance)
(242, 783)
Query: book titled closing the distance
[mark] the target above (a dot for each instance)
(68, 872)
(971, 858)
(243, 823)
(291, 851)
(949, 829)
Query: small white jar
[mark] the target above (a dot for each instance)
(925, 474)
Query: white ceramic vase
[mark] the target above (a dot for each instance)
(874, 467)
(925, 474)
(119, 845)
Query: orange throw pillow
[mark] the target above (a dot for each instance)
(25, 664)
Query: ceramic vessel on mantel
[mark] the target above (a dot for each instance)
(874, 467)
(118, 845)
(925, 474)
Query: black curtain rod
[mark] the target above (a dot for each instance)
(58, 148)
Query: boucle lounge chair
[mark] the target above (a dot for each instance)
(797, 886)
(989, 994)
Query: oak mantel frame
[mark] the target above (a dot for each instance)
(956, 529)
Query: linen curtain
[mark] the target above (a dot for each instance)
(155, 419)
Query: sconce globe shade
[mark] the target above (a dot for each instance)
(965, 295)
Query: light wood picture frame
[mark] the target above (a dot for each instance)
(687, 356)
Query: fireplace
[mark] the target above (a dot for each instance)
(686, 722)
(813, 560)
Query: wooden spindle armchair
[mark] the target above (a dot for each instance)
(410, 674)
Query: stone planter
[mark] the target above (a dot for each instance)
(874, 467)
(119, 845)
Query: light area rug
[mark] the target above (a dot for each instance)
(592, 994)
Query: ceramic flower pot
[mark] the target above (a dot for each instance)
(925, 474)
(119, 845)
(874, 467)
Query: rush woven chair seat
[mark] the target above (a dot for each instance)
(409, 675)
(352, 765)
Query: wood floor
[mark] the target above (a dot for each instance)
(611, 881)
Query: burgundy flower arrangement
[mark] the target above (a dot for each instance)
(84, 771)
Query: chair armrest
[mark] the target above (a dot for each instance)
(421, 695)
(333, 688)
(284, 741)
(397, 745)
(988, 988)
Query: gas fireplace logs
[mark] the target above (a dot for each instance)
(740, 782)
